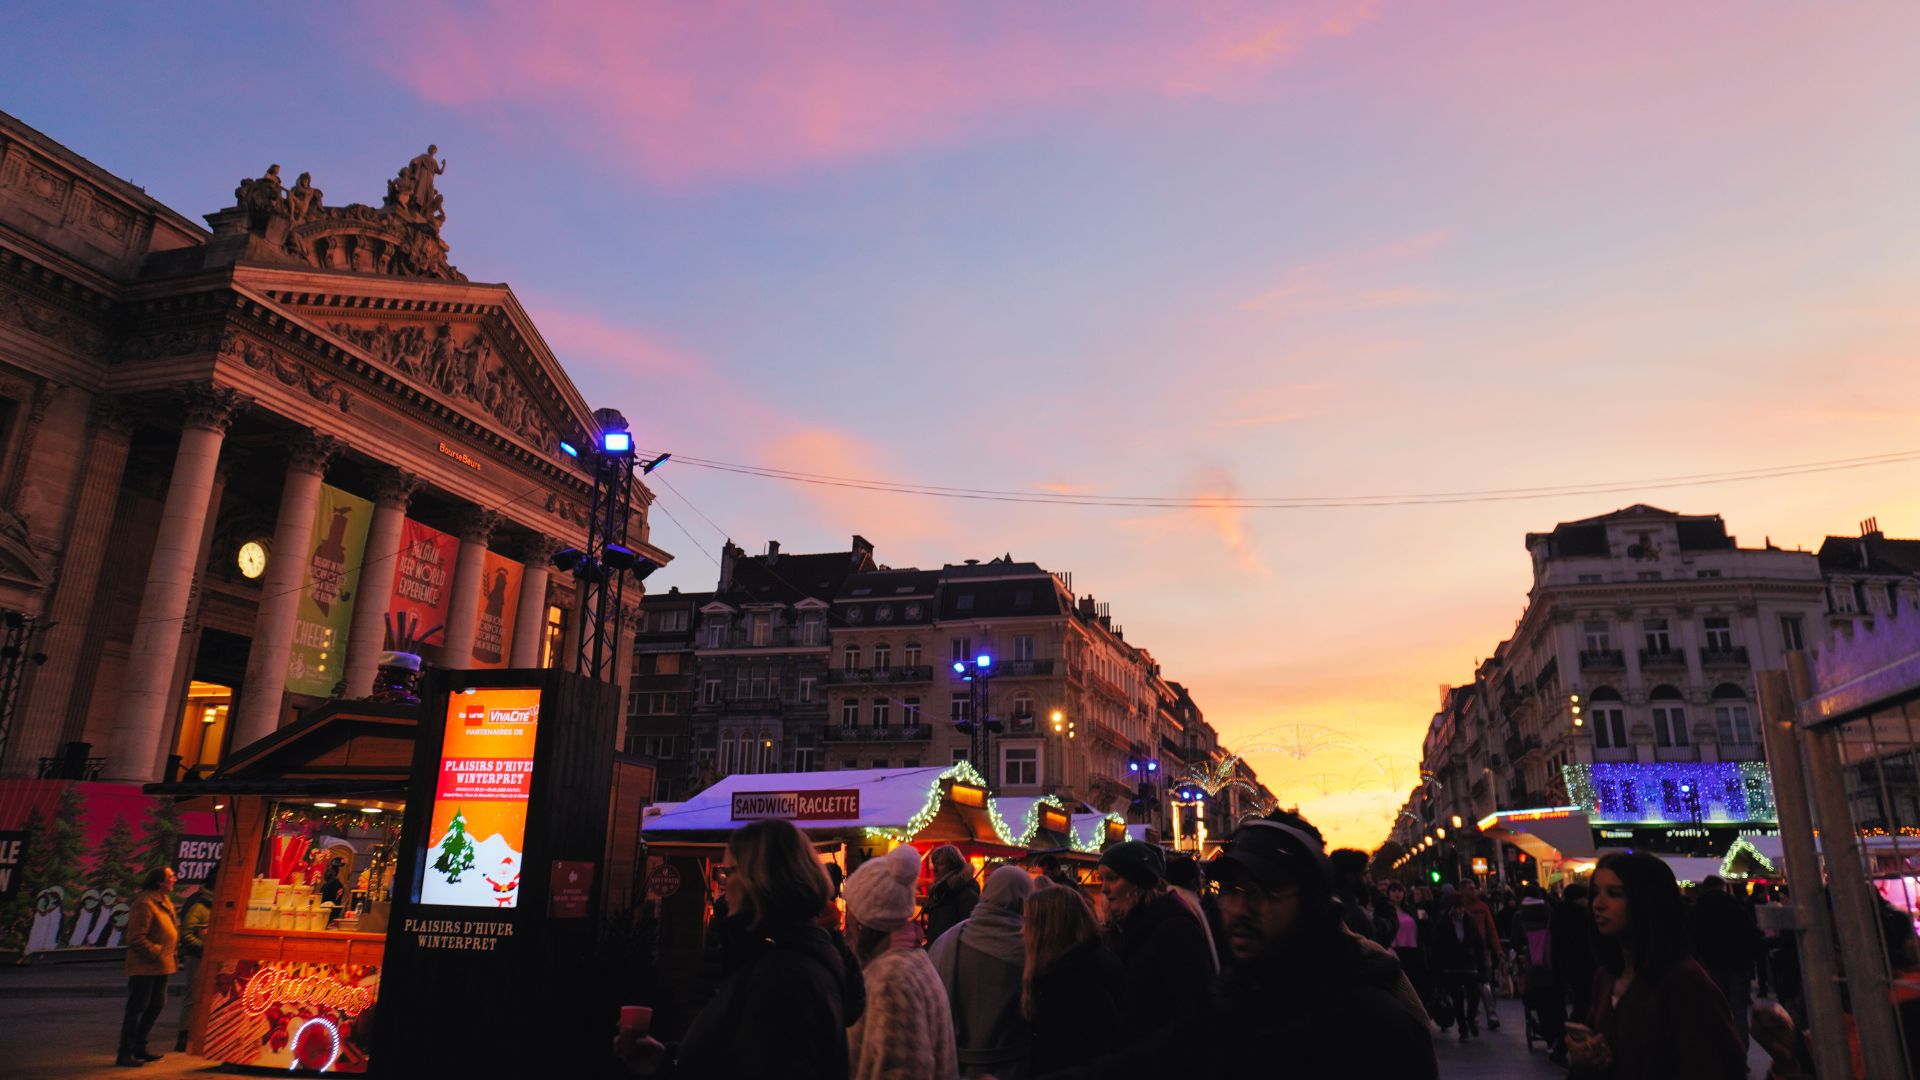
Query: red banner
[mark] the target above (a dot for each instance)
(423, 585)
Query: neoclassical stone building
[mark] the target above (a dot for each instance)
(235, 459)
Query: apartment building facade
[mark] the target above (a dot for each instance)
(821, 662)
(1627, 691)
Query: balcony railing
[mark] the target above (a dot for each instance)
(904, 733)
(1650, 658)
(914, 673)
(775, 637)
(1603, 660)
(1731, 656)
(1018, 668)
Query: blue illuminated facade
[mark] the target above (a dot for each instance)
(1673, 792)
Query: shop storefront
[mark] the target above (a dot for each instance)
(311, 822)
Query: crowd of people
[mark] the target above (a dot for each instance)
(1166, 967)
(1274, 957)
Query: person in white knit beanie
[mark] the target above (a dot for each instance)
(907, 1030)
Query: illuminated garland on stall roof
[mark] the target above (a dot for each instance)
(961, 771)
(1743, 845)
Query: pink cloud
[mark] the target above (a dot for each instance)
(688, 92)
(1348, 282)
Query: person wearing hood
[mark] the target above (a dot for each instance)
(980, 963)
(1301, 996)
(1162, 945)
(907, 1030)
(787, 983)
(1533, 939)
(953, 893)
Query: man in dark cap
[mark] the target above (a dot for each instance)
(1298, 978)
(1161, 943)
(1300, 996)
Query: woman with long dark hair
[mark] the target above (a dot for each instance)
(1656, 1012)
(788, 983)
(1069, 981)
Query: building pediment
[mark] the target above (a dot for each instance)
(471, 348)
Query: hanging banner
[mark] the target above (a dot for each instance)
(423, 588)
(479, 817)
(327, 589)
(499, 602)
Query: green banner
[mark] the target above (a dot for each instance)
(327, 589)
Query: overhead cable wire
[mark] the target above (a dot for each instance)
(1486, 495)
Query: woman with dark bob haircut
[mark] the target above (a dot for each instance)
(781, 1011)
(1656, 1012)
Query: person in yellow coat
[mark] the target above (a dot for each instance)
(153, 933)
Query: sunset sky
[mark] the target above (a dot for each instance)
(1194, 248)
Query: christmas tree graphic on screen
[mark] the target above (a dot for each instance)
(479, 819)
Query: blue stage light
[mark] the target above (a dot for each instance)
(569, 449)
(617, 442)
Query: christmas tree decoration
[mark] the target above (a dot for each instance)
(456, 850)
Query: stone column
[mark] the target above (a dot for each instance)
(47, 723)
(190, 626)
(530, 625)
(144, 695)
(463, 612)
(257, 713)
(393, 490)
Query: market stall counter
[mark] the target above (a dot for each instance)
(310, 816)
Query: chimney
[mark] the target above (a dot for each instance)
(773, 551)
(728, 553)
(1087, 609)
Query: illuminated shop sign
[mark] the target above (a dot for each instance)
(1689, 793)
(477, 828)
(292, 1016)
(834, 805)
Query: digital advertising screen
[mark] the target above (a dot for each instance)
(477, 829)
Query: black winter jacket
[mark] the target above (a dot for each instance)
(1329, 1010)
(781, 1012)
(1074, 1003)
(1166, 963)
(948, 904)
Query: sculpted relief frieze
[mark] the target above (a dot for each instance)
(470, 370)
(286, 371)
(49, 322)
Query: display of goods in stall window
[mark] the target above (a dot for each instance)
(325, 865)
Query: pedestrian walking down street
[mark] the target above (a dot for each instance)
(780, 1010)
(907, 1032)
(1573, 955)
(1161, 944)
(1069, 980)
(153, 935)
(1356, 896)
(1656, 1013)
(1726, 940)
(195, 914)
(1407, 945)
(1483, 921)
(981, 963)
(953, 893)
(1460, 956)
(1541, 988)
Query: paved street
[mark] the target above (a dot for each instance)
(1503, 1055)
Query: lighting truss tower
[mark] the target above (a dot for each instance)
(603, 566)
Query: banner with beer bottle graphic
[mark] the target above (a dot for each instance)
(499, 603)
(328, 586)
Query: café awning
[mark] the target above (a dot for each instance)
(1551, 834)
